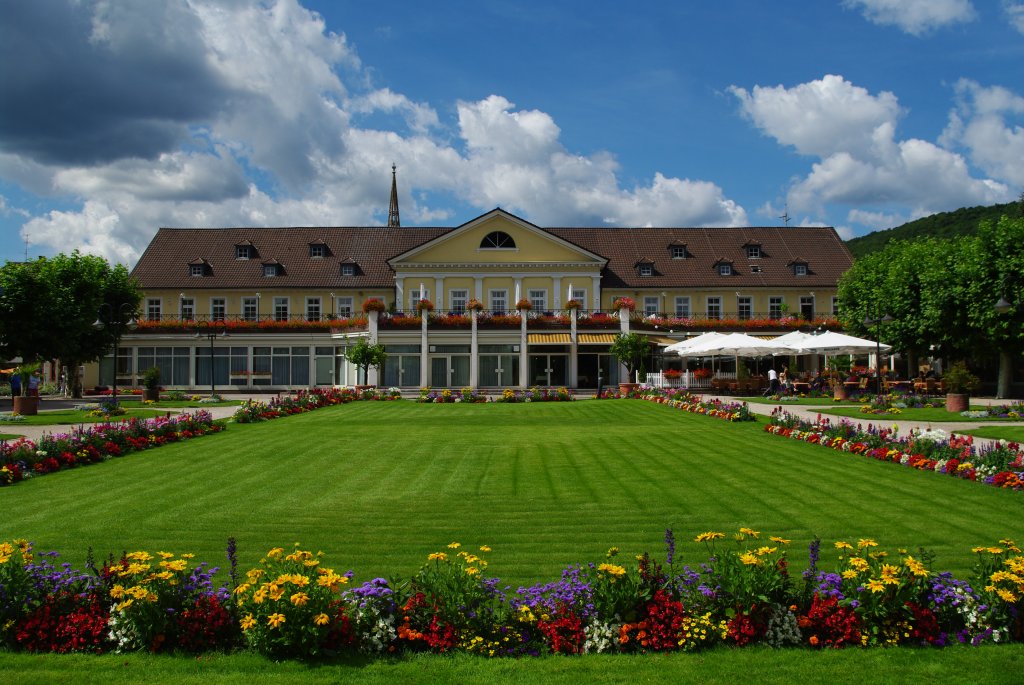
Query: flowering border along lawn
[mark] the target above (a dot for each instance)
(695, 404)
(292, 605)
(23, 458)
(1001, 465)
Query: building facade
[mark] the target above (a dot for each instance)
(496, 302)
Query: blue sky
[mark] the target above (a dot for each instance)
(118, 118)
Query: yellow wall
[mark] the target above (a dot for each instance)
(464, 247)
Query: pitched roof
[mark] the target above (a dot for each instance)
(164, 264)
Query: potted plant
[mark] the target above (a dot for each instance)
(151, 383)
(474, 305)
(374, 304)
(630, 349)
(627, 303)
(960, 383)
(25, 404)
(524, 305)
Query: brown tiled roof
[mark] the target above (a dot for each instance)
(826, 255)
(164, 264)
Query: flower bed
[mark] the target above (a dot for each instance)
(292, 605)
(448, 396)
(253, 411)
(24, 458)
(681, 399)
(536, 395)
(1001, 465)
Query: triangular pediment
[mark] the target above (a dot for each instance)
(494, 239)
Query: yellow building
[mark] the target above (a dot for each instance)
(275, 308)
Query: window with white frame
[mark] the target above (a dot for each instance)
(218, 308)
(196, 270)
(645, 269)
(153, 308)
(714, 307)
(678, 252)
(683, 307)
(269, 270)
(744, 307)
(243, 251)
(775, 307)
(807, 307)
(317, 250)
(187, 309)
(753, 251)
(652, 305)
(457, 299)
(348, 269)
(725, 269)
(538, 299)
(799, 269)
(415, 296)
(313, 309)
(281, 312)
(343, 307)
(499, 301)
(250, 308)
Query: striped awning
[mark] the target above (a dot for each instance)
(596, 338)
(548, 338)
(662, 340)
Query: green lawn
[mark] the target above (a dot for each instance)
(1009, 433)
(937, 414)
(379, 485)
(73, 417)
(803, 401)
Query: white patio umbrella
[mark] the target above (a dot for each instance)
(739, 345)
(683, 345)
(795, 339)
(832, 343)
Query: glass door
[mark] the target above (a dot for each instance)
(439, 372)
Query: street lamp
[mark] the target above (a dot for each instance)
(877, 323)
(1003, 382)
(116, 320)
(212, 330)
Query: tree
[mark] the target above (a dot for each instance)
(49, 305)
(364, 355)
(631, 349)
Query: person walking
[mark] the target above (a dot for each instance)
(773, 381)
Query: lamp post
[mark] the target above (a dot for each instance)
(1004, 306)
(877, 323)
(212, 330)
(116, 320)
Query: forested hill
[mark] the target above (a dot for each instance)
(963, 221)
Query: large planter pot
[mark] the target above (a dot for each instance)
(26, 406)
(151, 395)
(957, 402)
(626, 388)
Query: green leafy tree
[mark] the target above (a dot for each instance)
(631, 349)
(364, 355)
(49, 305)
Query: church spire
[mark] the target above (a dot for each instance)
(393, 220)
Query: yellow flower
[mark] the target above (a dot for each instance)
(875, 585)
(916, 567)
(274, 620)
(708, 536)
(761, 551)
(275, 553)
(995, 550)
(321, 619)
(165, 555)
(1006, 595)
(485, 548)
(749, 559)
(437, 556)
(117, 592)
(866, 542)
(612, 569)
(299, 599)
(179, 565)
(751, 533)
(781, 541)
(454, 545)
(472, 571)
(248, 622)
(849, 574)
(841, 544)
(859, 563)
(612, 551)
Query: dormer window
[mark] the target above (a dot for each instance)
(497, 240)
(725, 269)
(317, 250)
(645, 269)
(678, 252)
(272, 269)
(196, 270)
(348, 269)
(799, 269)
(753, 251)
(245, 250)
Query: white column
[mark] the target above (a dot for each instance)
(574, 381)
(399, 294)
(439, 294)
(524, 372)
(425, 351)
(596, 287)
(556, 284)
(478, 289)
(474, 353)
(372, 373)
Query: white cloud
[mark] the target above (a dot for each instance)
(915, 17)
(861, 161)
(1014, 14)
(819, 117)
(980, 124)
(875, 220)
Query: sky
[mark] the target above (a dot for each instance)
(118, 117)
